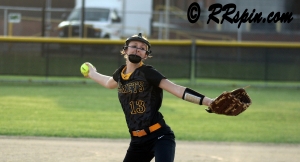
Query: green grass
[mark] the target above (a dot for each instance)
(69, 108)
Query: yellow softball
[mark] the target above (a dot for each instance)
(84, 69)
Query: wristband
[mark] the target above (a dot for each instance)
(192, 96)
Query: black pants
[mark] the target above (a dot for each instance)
(162, 148)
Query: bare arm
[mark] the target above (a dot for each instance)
(178, 90)
(104, 80)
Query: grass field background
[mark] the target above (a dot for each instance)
(72, 107)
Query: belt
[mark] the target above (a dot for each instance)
(142, 132)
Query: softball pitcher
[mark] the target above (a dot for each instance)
(140, 92)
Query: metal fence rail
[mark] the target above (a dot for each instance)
(188, 59)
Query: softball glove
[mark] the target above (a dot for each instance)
(230, 103)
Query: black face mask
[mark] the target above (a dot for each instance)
(134, 58)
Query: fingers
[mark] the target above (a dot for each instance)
(89, 64)
(91, 70)
(91, 67)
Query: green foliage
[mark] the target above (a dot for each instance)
(89, 110)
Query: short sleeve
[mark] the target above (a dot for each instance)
(153, 76)
(117, 73)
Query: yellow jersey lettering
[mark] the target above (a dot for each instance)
(137, 107)
(133, 87)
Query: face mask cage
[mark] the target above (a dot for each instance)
(138, 38)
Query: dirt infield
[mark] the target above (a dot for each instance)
(40, 149)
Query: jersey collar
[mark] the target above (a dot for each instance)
(127, 76)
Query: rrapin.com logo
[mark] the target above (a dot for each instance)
(194, 10)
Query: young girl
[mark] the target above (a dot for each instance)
(140, 92)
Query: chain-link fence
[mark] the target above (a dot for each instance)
(171, 22)
(167, 22)
(173, 59)
(33, 21)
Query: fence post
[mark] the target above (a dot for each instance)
(5, 22)
(47, 57)
(266, 78)
(82, 19)
(193, 62)
(43, 20)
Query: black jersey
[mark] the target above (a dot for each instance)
(140, 96)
